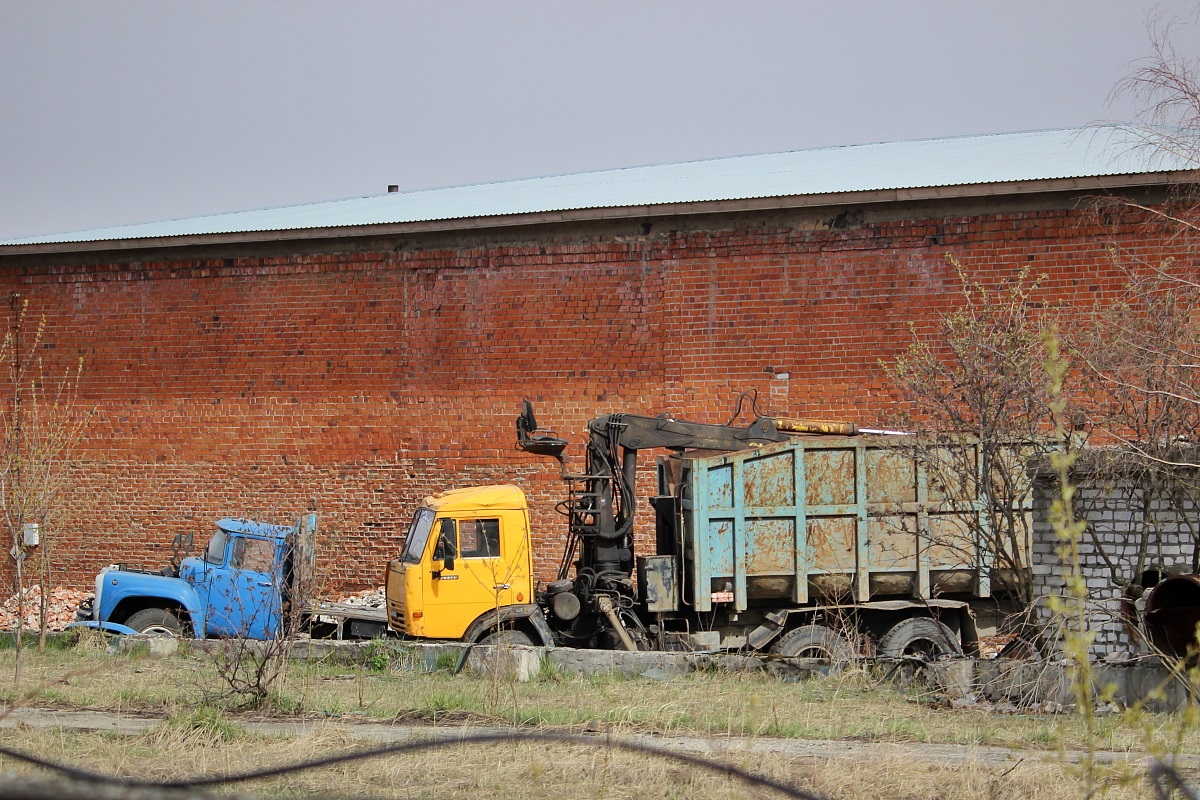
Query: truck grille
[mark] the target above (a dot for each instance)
(396, 616)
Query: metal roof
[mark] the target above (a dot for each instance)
(947, 162)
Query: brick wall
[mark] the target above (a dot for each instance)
(364, 374)
(1119, 517)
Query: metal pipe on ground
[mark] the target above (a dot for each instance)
(1171, 618)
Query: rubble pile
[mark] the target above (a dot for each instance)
(60, 609)
(367, 598)
(990, 646)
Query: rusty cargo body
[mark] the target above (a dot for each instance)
(837, 534)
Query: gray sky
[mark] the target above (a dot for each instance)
(123, 112)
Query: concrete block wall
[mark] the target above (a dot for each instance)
(360, 375)
(1108, 552)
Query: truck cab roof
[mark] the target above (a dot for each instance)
(250, 527)
(477, 497)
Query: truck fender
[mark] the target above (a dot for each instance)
(494, 618)
(147, 589)
(109, 627)
(968, 630)
(773, 624)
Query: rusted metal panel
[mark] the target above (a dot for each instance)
(770, 481)
(869, 524)
(769, 545)
(891, 476)
(718, 545)
(893, 539)
(657, 577)
(830, 476)
(833, 542)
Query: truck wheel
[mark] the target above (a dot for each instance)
(507, 637)
(921, 637)
(814, 641)
(155, 621)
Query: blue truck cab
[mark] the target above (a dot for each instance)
(241, 586)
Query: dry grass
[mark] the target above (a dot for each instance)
(847, 707)
(536, 770)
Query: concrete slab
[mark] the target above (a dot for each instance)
(156, 646)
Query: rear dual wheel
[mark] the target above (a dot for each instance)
(919, 637)
(814, 641)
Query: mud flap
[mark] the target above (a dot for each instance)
(968, 632)
(765, 633)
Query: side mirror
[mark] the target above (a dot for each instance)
(446, 548)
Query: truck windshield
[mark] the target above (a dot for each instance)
(418, 535)
(215, 554)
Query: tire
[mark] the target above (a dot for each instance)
(156, 622)
(508, 637)
(814, 641)
(919, 637)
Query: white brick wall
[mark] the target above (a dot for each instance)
(1115, 519)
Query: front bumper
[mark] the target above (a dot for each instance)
(110, 627)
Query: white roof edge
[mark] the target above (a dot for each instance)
(583, 215)
(950, 166)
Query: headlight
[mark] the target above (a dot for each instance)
(99, 589)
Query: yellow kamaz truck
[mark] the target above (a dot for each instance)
(467, 570)
(805, 538)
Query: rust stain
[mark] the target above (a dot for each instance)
(830, 477)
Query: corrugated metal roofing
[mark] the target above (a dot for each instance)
(958, 161)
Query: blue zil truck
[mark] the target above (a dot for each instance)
(252, 581)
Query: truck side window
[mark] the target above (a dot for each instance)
(479, 538)
(257, 555)
(215, 554)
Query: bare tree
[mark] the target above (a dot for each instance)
(1137, 362)
(1137, 354)
(249, 670)
(41, 425)
(1167, 86)
(978, 407)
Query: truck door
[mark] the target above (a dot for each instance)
(244, 597)
(474, 576)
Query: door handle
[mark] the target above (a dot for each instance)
(265, 583)
(501, 586)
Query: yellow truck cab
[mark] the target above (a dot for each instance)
(466, 571)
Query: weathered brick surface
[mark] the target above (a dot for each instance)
(1118, 516)
(365, 375)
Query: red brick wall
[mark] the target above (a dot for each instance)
(252, 382)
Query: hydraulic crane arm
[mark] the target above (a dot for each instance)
(633, 432)
(615, 440)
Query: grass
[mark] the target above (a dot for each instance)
(196, 739)
(532, 770)
(850, 706)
